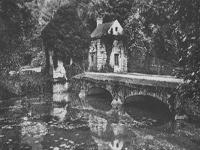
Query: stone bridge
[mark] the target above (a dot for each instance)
(122, 86)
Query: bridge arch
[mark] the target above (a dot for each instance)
(143, 94)
(95, 90)
(152, 97)
(99, 98)
(160, 98)
(160, 95)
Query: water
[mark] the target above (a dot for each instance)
(63, 121)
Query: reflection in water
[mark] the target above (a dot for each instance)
(99, 98)
(99, 102)
(67, 122)
(97, 125)
(32, 134)
(59, 93)
(58, 97)
(33, 129)
(59, 113)
(106, 134)
(32, 143)
(116, 145)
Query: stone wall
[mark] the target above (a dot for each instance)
(101, 55)
(92, 53)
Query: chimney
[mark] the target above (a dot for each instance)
(99, 20)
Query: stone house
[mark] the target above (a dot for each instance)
(97, 52)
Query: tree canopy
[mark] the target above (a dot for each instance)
(66, 34)
(16, 27)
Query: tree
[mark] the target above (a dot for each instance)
(108, 9)
(43, 11)
(150, 31)
(186, 26)
(16, 27)
(66, 34)
(138, 41)
(118, 9)
(173, 27)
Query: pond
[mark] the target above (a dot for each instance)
(62, 120)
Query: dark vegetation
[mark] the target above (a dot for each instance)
(16, 27)
(27, 83)
(66, 35)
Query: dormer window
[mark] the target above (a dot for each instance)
(116, 28)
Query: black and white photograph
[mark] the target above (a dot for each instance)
(99, 74)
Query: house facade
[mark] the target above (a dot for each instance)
(97, 51)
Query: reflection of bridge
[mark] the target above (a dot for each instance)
(122, 86)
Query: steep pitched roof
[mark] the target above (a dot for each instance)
(101, 29)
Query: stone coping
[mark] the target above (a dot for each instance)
(133, 78)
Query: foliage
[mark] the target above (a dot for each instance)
(109, 9)
(107, 68)
(66, 34)
(149, 29)
(72, 70)
(21, 24)
(15, 29)
(108, 40)
(187, 20)
(173, 26)
(43, 11)
(39, 60)
(118, 9)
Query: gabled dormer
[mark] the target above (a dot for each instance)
(103, 29)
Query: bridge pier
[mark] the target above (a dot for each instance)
(82, 94)
(116, 103)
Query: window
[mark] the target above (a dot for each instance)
(116, 28)
(116, 59)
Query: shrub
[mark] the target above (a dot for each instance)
(72, 70)
(107, 68)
